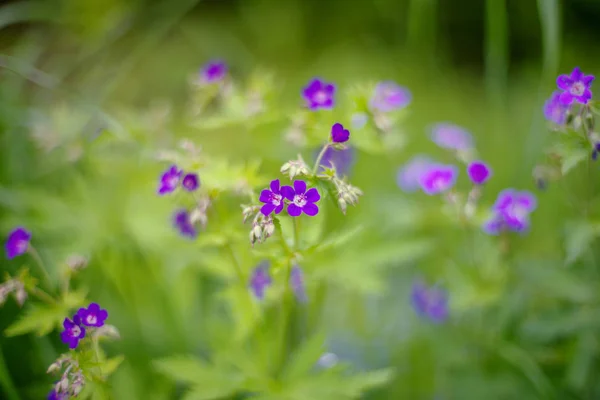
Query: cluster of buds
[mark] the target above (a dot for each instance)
(295, 168)
(346, 193)
(262, 226)
(71, 382)
(198, 214)
(77, 262)
(15, 287)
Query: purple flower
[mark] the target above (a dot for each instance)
(438, 178)
(409, 176)
(450, 136)
(319, 94)
(342, 159)
(389, 96)
(190, 182)
(554, 110)
(575, 87)
(73, 332)
(260, 280)
(301, 200)
(182, 222)
(17, 242)
(429, 302)
(169, 180)
(53, 395)
(297, 284)
(511, 212)
(93, 315)
(339, 134)
(213, 71)
(479, 172)
(273, 199)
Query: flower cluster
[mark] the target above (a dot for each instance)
(511, 212)
(17, 242)
(429, 302)
(173, 177)
(75, 329)
(261, 280)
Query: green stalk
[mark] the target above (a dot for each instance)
(319, 158)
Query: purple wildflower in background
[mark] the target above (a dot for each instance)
(260, 280)
(554, 110)
(319, 94)
(409, 176)
(389, 96)
(575, 87)
(17, 242)
(302, 201)
(342, 159)
(339, 134)
(479, 172)
(213, 71)
(169, 180)
(93, 315)
(438, 178)
(511, 212)
(182, 222)
(595, 151)
(297, 284)
(73, 332)
(53, 395)
(190, 182)
(429, 302)
(273, 199)
(450, 136)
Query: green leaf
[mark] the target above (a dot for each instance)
(109, 366)
(305, 358)
(244, 309)
(187, 369)
(41, 320)
(572, 158)
(579, 237)
(522, 361)
(207, 392)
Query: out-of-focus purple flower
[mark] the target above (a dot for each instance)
(339, 134)
(93, 315)
(429, 302)
(554, 110)
(17, 242)
(359, 120)
(260, 280)
(169, 180)
(273, 199)
(479, 172)
(389, 96)
(319, 94)
(73, 332)
(53, 395)
(450, 136)
(190, 182)
(342, 159)
(409, 175)
(182, 222)
(596, 151)
(438, 178)
(511, 212)
(575, 87)
(297, 284)
(213, 71)
(302, 201)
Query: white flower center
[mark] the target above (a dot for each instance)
(173, 181)
(91, 319)
(320, 97)
(21, 246)
(517, 212)
(276, 199)
(577, 89)
(300, 200)
(75, 331)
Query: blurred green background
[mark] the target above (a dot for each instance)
(527, 328)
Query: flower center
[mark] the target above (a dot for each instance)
(276, 199)
(91, 319)
(21, 246)
(173, 180)
(577, 89)
(517, 212)
(300, 200)
(320, 97)
(75, 331)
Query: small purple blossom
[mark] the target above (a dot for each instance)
(554, 110)
(319, 94)
(389, 96)
(342, 159)
(169, 180)
(511, 212)
(53, 395)
(409, 175)
(595, 151)
(297, 284)
(301, 199)
(479, 172)
(213, 71)
(93, 315)
(429, 302)
(273, 199)
(190, 182)
(182, 222)
(17, 242)
(575, 87)
(73, 332)
(438, 178)
(339, 134)
(260, 280)
(450, 136)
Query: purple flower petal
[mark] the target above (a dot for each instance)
(288, 192)
(299, 187)
(339, 134)
(190, 182)
(312, 195)
(566, 98)
(275, 186)
(576, 75)
(389, 96)
(479, 172)
(319, 95)
(564, 82)
(294, 210)
(213, 71)
(409, 175)
(260, 280)
(342, 159)
(267, 209)
(265, 196)
(310, 209)
(554, 110)
(451, 136)
(17, 242)
(438, 178)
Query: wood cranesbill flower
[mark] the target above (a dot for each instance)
(260, 280)
(93, 315)
(319, 94)
(169, 180)
(17, 242)
(575, 86)
(409, 175)
(438, 178)
(339, 134)
(429, 302)
(190, 182)
(389, 96)
(511, 212)
(184, 225)
(74, 331)
(479, 172)
(450, 136)
(301, 201)
(273, 199)
(554, 110)
(213, 71)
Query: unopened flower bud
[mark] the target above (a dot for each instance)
(343, 205)
(107, 331)
(383, 122)
(20, 296)
(589, 121)
(577, 122)
(269, 230)
(55, 366)
(77, 262)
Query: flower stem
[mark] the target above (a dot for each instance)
(296, 233)
(36, 256)
(235, 262)
(319, 158)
